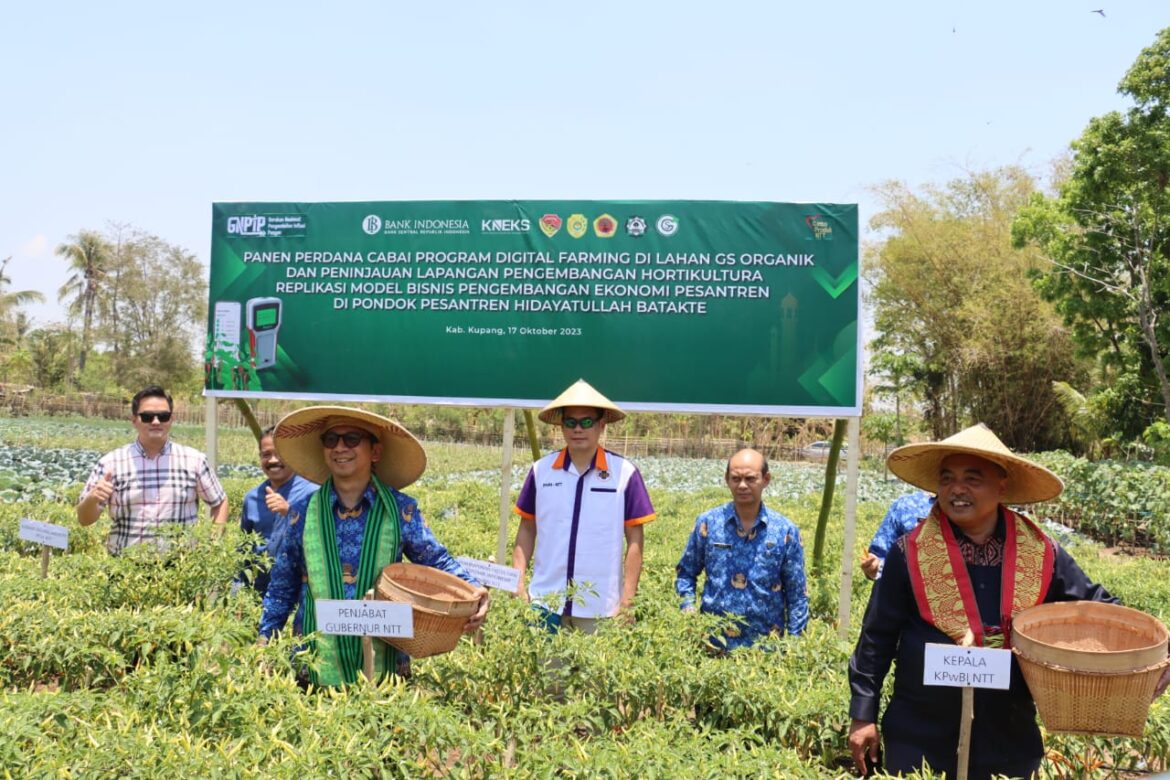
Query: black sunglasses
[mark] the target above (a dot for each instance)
(351, 438)
(585, 422)
(149, 417)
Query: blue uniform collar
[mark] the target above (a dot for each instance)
(730, 517)
(369, 495)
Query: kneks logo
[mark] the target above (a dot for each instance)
(505, 225)
(250, 225)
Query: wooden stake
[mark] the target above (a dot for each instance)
(46, 552)
(368, 657)
(968, 715)
(368, 648)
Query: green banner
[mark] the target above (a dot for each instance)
(698, 306)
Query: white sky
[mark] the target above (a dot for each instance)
(146, 113)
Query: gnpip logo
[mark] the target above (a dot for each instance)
(252, 225)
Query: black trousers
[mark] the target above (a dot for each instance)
(903, 758)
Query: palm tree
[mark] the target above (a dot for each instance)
(89, 256)
(11, 300)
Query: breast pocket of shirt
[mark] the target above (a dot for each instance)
(719, 560)
(604, 503)
(770, 566)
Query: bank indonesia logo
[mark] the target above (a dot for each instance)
(636, 227)
(666, 225)
(372, 225)
(249, 225)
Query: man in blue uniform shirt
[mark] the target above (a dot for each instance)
(903, 516)
(340, 539)
(266, 505)
(753, 559)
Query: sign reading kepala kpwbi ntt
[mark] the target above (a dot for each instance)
(705, 306)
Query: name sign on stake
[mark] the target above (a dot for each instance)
(961, 667)
(364, 618)
(44, 533)
(492, 575)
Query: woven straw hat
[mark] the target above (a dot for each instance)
(1027, 482)
(298, 441)
(580, 393)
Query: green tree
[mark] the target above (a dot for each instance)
(1107, 237)
(153, 309)
(952, 300)
(51, 349)
(897, 373)
(10, 303)
(15, 361)
(88, 255)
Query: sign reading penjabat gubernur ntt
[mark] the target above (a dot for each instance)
(703, 306)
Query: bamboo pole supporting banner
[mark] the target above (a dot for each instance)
(533, 440)
(506, 488)
(46, 552)
(852, 473)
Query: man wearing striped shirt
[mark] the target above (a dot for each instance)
(151, 486)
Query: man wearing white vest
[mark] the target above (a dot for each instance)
(579, 507)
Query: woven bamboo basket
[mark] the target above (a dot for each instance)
(440, 602)
(1091, 667)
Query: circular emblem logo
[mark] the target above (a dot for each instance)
(372, 224)
(667, 225)
(635, 226)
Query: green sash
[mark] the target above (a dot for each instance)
(340, 657)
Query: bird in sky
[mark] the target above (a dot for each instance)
(1099, 11)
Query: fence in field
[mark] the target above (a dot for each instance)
(703, 437)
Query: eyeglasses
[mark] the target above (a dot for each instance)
(149, 417)
(351, 438)
(585, 422)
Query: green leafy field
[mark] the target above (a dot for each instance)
(136, 667)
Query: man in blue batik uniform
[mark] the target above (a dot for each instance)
(753, 559)
(340, 538)
(903, 516)
(266, 506)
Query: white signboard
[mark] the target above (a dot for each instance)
(492, 575)
(364, 618)
(960, 667)
(227, 327)
(44, 533)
